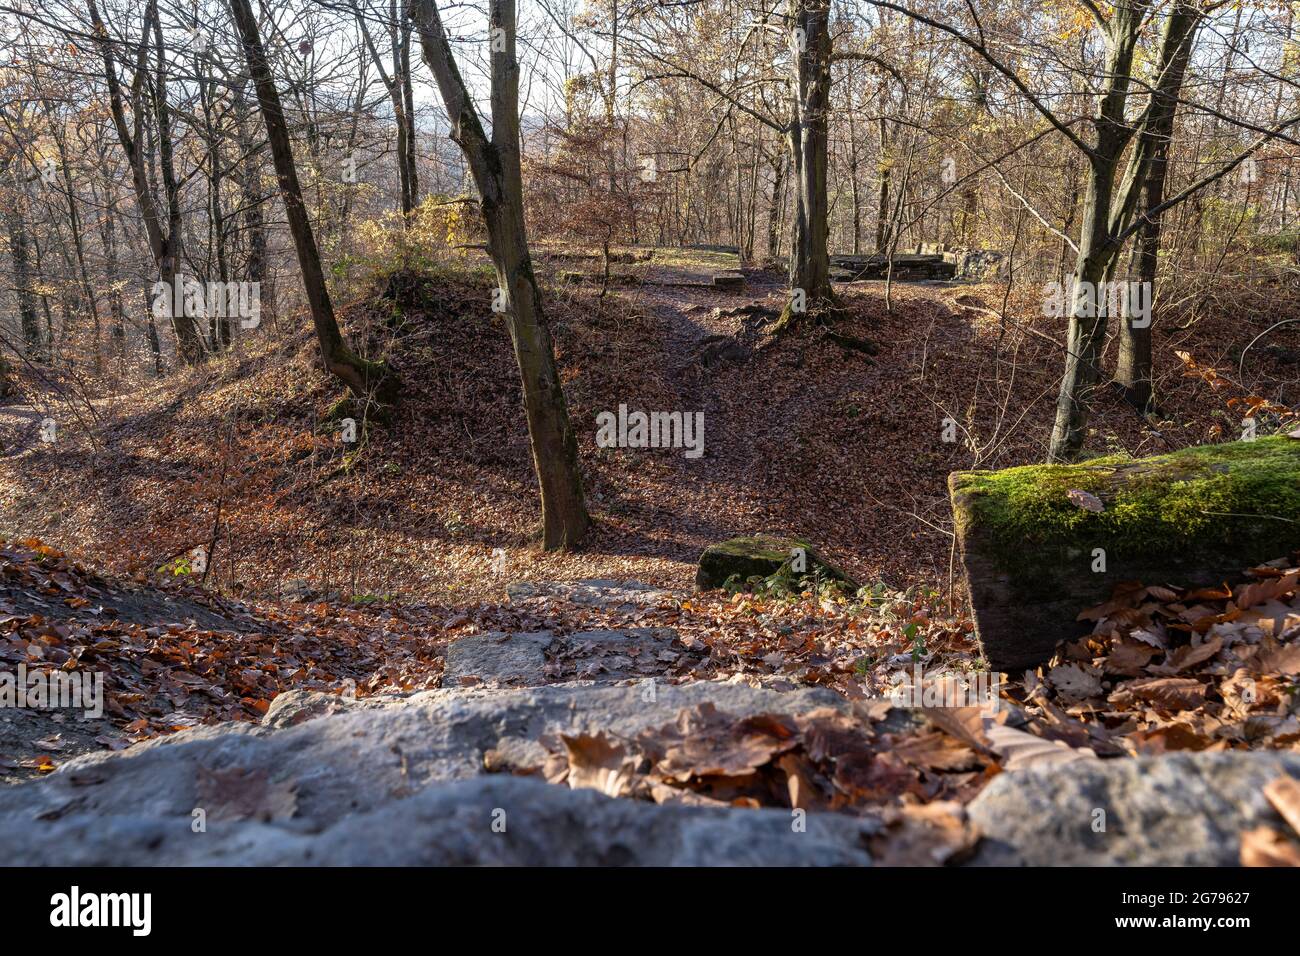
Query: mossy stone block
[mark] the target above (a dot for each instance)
(762, 556)
(1034, 558)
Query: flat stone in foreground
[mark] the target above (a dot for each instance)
(1186, 809)
(496, 820)
(497, 656)
(365, 756)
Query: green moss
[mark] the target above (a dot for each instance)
(762, 547)
(1210, 496)
(761, 556)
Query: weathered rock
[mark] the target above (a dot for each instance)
(460, 824)
(760, 556)
(619, 654)
(979, 265)
(1191, 518)
(497, 656)
(1186, 809)
(299, 706)
(374, 752)
(906, 267)
(604, 593)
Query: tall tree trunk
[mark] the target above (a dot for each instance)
(189, 343)
(408, 102)
(248, 175)
(776, 206)
(853, 183)
(809, 256)
(495, 165)
(19, 255)
(1097, 249)
(882, 195)
(117, 310)
(219, 330)
(359, 375)
(164, 246)
(1133, 371)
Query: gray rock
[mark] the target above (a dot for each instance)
(495, 820)
(496, 656)
(360, 759)
(618, 654)
(299, 706)
(1185, 809)
(593, 592)
(760, 556)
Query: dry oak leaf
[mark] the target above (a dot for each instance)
(1019, 749)
(1085, 500)
(1242, 693)
(801, 782)
(930, 834)
(239, 794)
(1127, 594)
(1168, 737)
(1267, 590)
(1283, 660)
(965, 723)
(710, 743)
(1187, 656)
(872, 778)
(1284, 794)
(1169, 693)
(938, 752)
(1264, 846)
(1128, 658)
(1075, 680)
(829, 734)
(598, 763)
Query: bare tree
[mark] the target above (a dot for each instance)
(495, 165)
(164, 242)
(363, 377)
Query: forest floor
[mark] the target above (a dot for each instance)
(801, 437)
(407, 561)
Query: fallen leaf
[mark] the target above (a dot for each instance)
(598, 763)
(1170, 693)
(1019, 750)
(1187, 656)
(1076, 681)
(1264, 846)
(1284, 794)
(239, 794)
(1085, 500)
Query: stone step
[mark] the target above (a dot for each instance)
(532, 659)
(401, 781)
